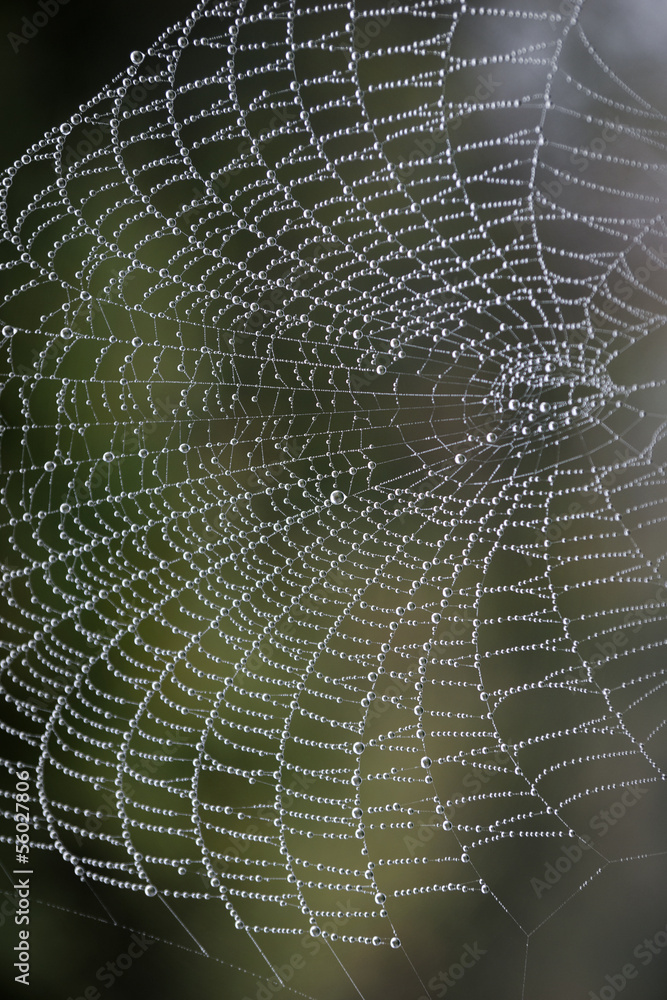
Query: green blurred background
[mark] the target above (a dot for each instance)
(76, 929)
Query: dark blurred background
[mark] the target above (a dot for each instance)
(43, 78)
(577, 954)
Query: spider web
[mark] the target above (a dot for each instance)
(333, 474)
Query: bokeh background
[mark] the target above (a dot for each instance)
(76, 928)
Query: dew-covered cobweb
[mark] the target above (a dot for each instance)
(333, 458)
